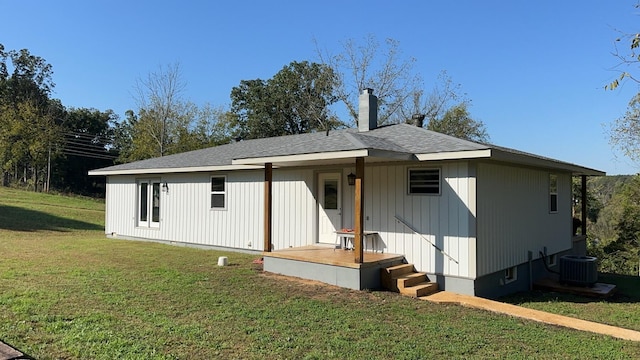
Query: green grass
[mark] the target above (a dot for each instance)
(67, 292)
(622, 309)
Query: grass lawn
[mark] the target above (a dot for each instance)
(67, 292)
(622, 309)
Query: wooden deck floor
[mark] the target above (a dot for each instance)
(329, 256)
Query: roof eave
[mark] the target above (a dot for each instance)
(524, 159)
(106, 172)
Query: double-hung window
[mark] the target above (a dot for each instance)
(148, 203)
(218, 192)
(423, 181)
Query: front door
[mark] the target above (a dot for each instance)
(329, 207)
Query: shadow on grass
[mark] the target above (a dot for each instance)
(627, 292)
(21, 219)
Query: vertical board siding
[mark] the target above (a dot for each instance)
(186, 215)
(442, 219)
(512, 205)
(185, 210)
(293, 208)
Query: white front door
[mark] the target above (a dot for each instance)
(329, 207)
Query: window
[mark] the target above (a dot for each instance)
(149, 203)
(510, 274)
(552, 260)
(218, 193)
(553, 193)
(424, 182)
(330, 194)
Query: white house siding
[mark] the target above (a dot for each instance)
(186, 215)
(445, 220)
(514, 218)
(293, 208)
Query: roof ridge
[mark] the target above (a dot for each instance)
(354, 141)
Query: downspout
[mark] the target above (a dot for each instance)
(584, 204)
(530, 257)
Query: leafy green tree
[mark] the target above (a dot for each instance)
(296, 100)
(87, 143)
(457, 122)
(30, 120)
(616, 237)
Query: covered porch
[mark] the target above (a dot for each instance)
(330, 265)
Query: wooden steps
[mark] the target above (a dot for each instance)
(407, 281)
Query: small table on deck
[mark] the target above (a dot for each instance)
(346, 234)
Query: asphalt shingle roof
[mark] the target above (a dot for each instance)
(399, 138)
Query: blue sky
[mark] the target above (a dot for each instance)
(534, 70)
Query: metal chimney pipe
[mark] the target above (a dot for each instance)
(418, 119)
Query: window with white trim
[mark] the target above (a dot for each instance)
(423, 181)
(218, 192)
(553, 193)
(510, 274)
(148, 201)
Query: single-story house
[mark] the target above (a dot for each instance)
(479, 219)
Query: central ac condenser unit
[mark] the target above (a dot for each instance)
(578, 270)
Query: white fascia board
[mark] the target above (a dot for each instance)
(175, 170)
(302, 157)
(455, 155)
(529, 160)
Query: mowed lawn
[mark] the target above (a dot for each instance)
(68, 292)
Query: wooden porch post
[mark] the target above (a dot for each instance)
(268, 201)
(359, 205)
(584, 205)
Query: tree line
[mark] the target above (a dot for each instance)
(47, 146)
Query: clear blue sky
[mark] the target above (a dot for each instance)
(534, 70)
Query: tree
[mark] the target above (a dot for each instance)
(376, 66)
(624, 132)
(399, 89)
(457, 122)
(87, 143)
(30, 120)
(296, 100)
(622, 252)
(160, 103)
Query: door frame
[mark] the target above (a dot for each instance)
(319, 200)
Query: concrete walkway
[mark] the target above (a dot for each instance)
(7, 352)
(530, 314)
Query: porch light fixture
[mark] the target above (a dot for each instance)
(351, 179)
(165, 187)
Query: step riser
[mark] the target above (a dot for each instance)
(405, 280)
(418, 291)
(408, 282)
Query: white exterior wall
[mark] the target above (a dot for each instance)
(514, 217)
(446, 220)
(294, 207)
(186, 215)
